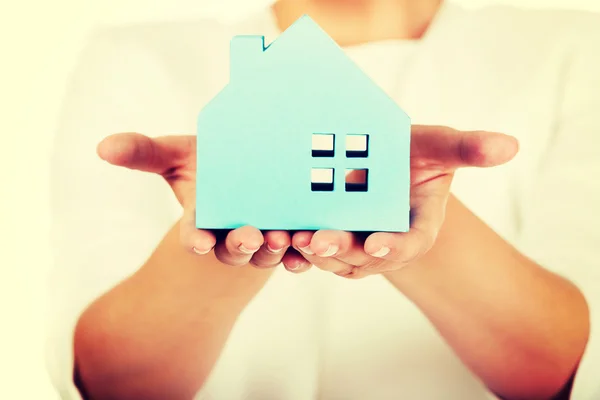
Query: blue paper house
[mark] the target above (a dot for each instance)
(298, 116)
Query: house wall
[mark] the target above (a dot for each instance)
(271, 123)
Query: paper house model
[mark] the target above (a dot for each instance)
(298, 116)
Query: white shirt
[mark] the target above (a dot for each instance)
(533, 74)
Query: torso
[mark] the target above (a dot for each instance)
(319, 336)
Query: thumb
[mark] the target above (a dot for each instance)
(140, 152)
(456, 149)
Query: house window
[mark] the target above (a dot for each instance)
(323, 145)
(322, 179)
(357, 180)
(357, 146)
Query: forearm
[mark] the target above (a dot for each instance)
(519, 327)
(158, 334)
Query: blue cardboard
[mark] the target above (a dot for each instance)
(276, 144)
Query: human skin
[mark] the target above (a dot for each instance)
(488, 301)
(496, 294)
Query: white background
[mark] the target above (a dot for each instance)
(40, 42)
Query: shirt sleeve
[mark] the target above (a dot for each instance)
(106, 220)
(561, 214)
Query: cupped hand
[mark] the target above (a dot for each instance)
(174, 158)
(436, 154)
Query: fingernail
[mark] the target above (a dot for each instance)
(200, 252)
(295, 267)
(384, 251)
(272, 250)
(245, 250)
(331, 250)
(307, 250)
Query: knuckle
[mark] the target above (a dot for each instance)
(421, 245)
(236, 262)
(257, 264)
(186, 242)
(220, 257)
(375, 264)
(264, 263)
(357, 274)
(344, 251)
(345, 273)
(407, 254)
(295, 265)
(229, 259)
(184, 237)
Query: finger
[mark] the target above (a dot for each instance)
(295, 262)
(272, 251)
(195, 240)
(140, 152)
(405, 247)
(301, 241)
(343, 246)
(462, 148)
(239, 246)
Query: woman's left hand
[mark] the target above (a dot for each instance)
(436, 154)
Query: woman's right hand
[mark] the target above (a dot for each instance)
(174, 158)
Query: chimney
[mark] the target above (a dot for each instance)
(244, 52)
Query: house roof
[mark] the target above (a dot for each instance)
(304, 42)
(306, 28)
